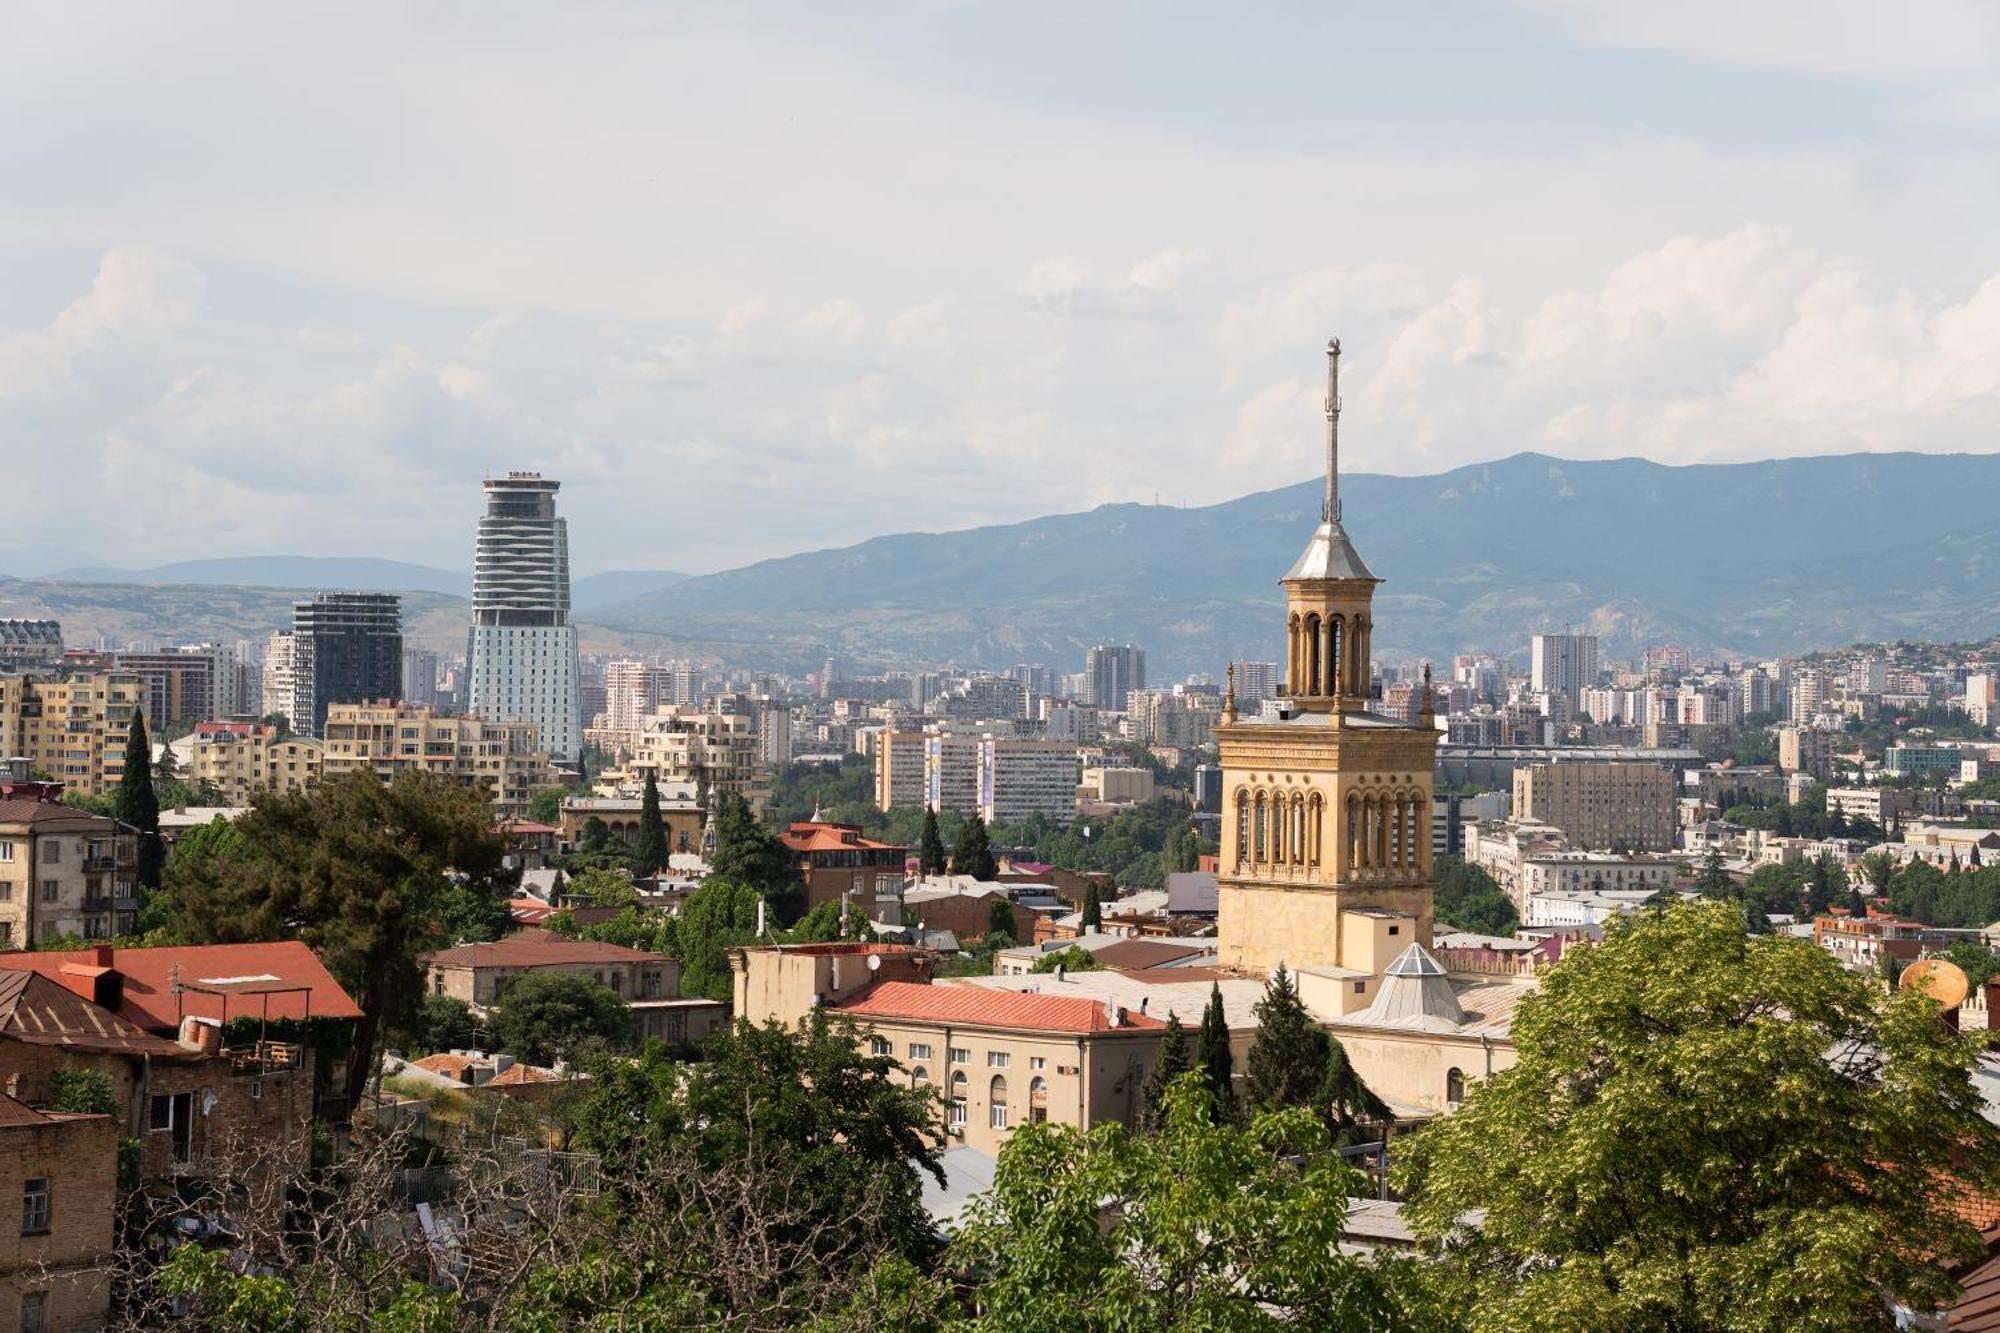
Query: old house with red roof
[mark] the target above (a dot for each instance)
(63, 871)
(649, 983)
(839, 863)
(997, 1060)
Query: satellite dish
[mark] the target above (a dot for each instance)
(874, 962)
(1938, 978)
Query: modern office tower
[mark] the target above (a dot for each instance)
(1563, 664)
(1110, 673)
(522, 648)
(347, 648)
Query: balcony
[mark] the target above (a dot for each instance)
(262, 1058)
(93, 865)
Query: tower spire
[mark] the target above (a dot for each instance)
(1330, 510)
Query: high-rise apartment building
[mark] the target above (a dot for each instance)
(1982, 697)
(522, 653)
(1258, 681)
(1562, 664)
(191, 684)
(240, 759)
(899, 769)
(1020, 778)
(1624, 806)
(1811, 689)
(420, 678)
(73, 726)
(1110, 672)
(632, 690)
(346, 647)
(279, 694)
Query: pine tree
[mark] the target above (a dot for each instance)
(1348, 1102)
(1212, 1057)
(972, 854)
(651, 852)
(1093, 908)
(930, 850)
(138, 804)
(1000, 916)
(1170, 1065)
(1288, 1061)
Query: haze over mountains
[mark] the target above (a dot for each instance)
(1749, 559)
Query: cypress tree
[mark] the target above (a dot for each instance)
(1000, 917)
(651, 852)
(137, 803)
(1093, 908)
(1212, 1058)
(1348, 1102)
(1171, 1064)
(930, 850)
(1288, 1061)
(972, 854)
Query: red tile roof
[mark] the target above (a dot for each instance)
(529, 911)
(538, 949)
(807, 836)
(520, 1074)
(150, 977)
(43, 812)
(976, 1006)
(444, 1062)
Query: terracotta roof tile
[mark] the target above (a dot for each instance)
(45, 812)
(516, 1074)
(149, 976)
(985, 1008)
(444, 1062)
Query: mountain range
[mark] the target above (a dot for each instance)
(1746, 559)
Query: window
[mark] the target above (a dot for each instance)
(997, 1059)
(51, 890)
(52, 852)
(1038, 1101)
(7, 892)
(955, 1107)
(961, 1056)
(35, 1206)
(1360, 988)
(1037, 1062)
(881, 1046)
(1454, 1086)
(996, 1103)
(34, 1312)
(920, 1050)
(920, 1077)
(6, 851)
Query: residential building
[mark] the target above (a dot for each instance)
(680, 811)
(1111, 672)
(1258, 681)
(1019, 779)
(420, 678)
(1920, 760)
(283, 691)
(346, 647)
(1982, 698)
(1805, 750)
(30, 645)
(719, 751)
(1563, 664)
(632, 690)
(188, 684)
(839, 863)
(1108, 785)
(649, 983)
(523, 648)
(1601, 806)
(63, 871)
(505, 758)
(1862, 942)
(73, 726)
(899, 769)
(951, 772)
(1812, 688)
(64, 1170)
(241, 759)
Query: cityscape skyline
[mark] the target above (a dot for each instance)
(1592, 233)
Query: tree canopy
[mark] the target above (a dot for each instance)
(138, 804)
(749, 854)
(546, 1016)
(972, 854)
(1697, 1119)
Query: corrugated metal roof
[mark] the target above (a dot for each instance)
(538, 949)
(979, 1007)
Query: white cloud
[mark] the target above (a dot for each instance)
(1068, 286)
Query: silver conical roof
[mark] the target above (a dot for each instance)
(1330, 555)
(1415, 993)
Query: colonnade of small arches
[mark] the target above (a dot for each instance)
(1327, 655)
(1386, 830)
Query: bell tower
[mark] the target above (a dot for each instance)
(1326, 830)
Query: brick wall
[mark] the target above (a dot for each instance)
(79, 1159)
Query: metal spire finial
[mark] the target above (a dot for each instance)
(1330, 510)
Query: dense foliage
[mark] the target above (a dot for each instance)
(543, 1017)
(1470, 899)
(1697, 1119)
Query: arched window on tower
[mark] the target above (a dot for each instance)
(1262, 833)
(1334, 655)
(1313, 655)
(1298, 828)
(1242, 826)
(1316, 830)
(1454, 1087)
(1352, 833)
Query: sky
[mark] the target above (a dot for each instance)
(753, 279)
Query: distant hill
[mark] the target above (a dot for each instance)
(618, 585)
(1755, 558)
(351, 573)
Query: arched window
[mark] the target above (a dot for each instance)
(1298, 828)
(955, 1107)
(1312, 655)
(1353, 832)
(1396, 830)
(1293, 656)
(1257, 852)
(1334, 657)
(1454, 1086)
(1038, 1101)
(1315, 830)
(1242, 827)
(920, 1077)
(996, 1103)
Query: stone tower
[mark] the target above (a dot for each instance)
(1326, 831)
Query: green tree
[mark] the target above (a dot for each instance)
(1467, 898)
(440, 1023)
(1350, 1106)
(930, 848)
(747, 853)
(717, 917)
(82, 1092)
(830, 920)
(139, 805)
(546, 1016)
(1000, 916)
(604, 887)
(1715, 881)
(1072, 959)
(1880, 867)
(1696, 1118)
(1093, 908)
(1287, 1062)
(972, 854)
(1171, 1062)
(809, 1094)
(594, 838)
(651, 853)
(545, 806)
(370, 875)
(1195, 1226)
(1212, 1057)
